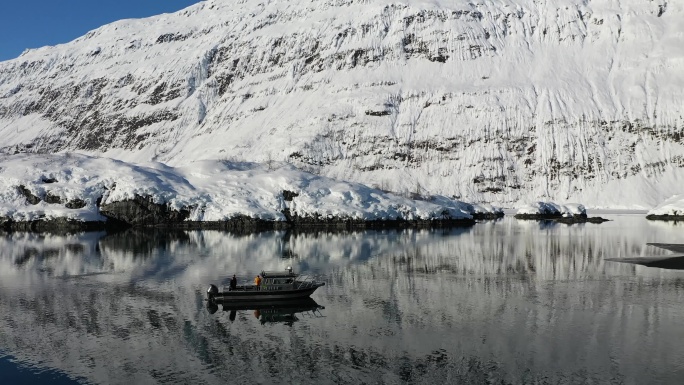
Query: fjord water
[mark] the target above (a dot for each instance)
(505, 301)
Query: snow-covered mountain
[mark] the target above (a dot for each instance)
(500, 101)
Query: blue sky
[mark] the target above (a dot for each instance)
(36, 23)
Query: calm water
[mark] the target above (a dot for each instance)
(502, 302)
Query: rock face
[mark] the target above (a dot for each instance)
(498, 101)
(57, 225)
(142, 211)
(30, 197)
(570, 219)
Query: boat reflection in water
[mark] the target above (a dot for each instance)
(284, 311)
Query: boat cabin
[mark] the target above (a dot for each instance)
(278, 280)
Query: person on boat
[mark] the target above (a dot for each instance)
(257, 282)
(233, 283)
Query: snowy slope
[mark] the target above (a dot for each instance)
(672, 206)
(210, 190)
(503, 101)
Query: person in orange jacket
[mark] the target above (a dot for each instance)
(257, 282)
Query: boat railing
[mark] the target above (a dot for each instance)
(241, 288)
(314, 313)
(304, 282)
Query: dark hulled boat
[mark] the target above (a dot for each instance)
(275, 286)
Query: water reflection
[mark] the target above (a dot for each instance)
(676, 247)
(670, 262)
(284, 311)
(505, 301)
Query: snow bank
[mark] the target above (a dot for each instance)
(474, 209)
(212, 190)
(673, 206)
(552, 209)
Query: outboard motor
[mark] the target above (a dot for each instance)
(211, 292)
(212, 307)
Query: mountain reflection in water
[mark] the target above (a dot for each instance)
(502, 302)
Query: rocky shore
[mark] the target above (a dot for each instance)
(54, 192)
(549, 211)
(665, 217)
(142, 211)
(574, 219)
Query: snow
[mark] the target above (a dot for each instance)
(470, 208)
(550, 208)
(548, 100)
(214, 190)
(673, 206)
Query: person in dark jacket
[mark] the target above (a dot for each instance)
(233, 283)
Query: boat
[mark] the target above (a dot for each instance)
(275, 286)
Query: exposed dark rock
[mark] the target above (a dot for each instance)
(288, 215)
(49, 180)
(75, 204)
(142, 211)
(50, 198)
(661, 9)
(318, 221)
(240, 224)
(580, 218)
(439, 58)
(5, 223)
(169, 37)
(377, 113)
(665, 217)
(487, 216)
(289, 195)
(30, 198)
(58, 225)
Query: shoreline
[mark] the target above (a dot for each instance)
(252, 225)
(239, 225)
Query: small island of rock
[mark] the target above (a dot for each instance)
(570, 213)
